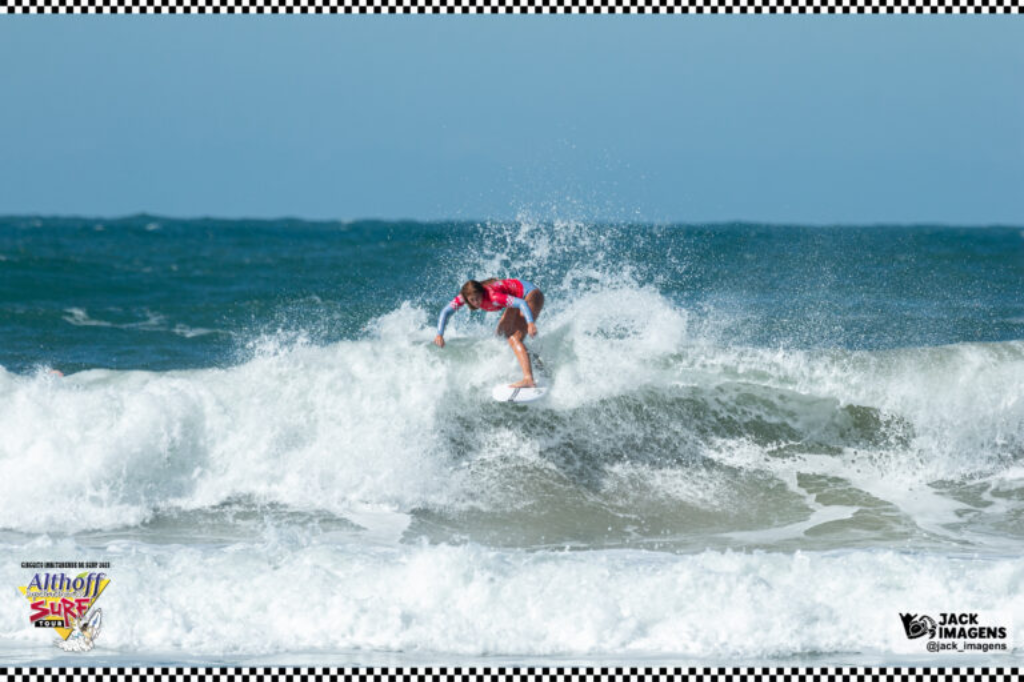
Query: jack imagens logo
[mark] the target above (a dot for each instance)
(67, 604)
(918, 626)
(960, 631)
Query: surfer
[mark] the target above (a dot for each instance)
(522, 303)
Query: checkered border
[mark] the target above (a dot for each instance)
(510, 6)
(515, 674)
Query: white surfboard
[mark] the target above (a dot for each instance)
(504, 394)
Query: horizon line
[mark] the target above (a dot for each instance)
(435, 221)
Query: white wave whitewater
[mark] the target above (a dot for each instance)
(677, 496)
(306, 595)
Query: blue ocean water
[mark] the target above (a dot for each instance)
(823, 424)
(158, 294)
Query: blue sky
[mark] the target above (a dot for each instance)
(685, 118)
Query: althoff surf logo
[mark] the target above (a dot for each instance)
(67, 605)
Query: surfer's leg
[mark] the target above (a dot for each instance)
(505, 326)
(515, 341)
(513, 325)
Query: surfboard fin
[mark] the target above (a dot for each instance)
(536, 361)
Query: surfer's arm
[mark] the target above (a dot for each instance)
(446, 312)
(523, 308)
(442, 321)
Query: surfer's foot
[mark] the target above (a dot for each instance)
(525, 383)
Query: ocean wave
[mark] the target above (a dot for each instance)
(646, 417)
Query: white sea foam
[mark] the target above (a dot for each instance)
(299, 595)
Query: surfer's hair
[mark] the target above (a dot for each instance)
(473, 285)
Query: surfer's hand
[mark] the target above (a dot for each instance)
(439, 341)
(531, 329)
